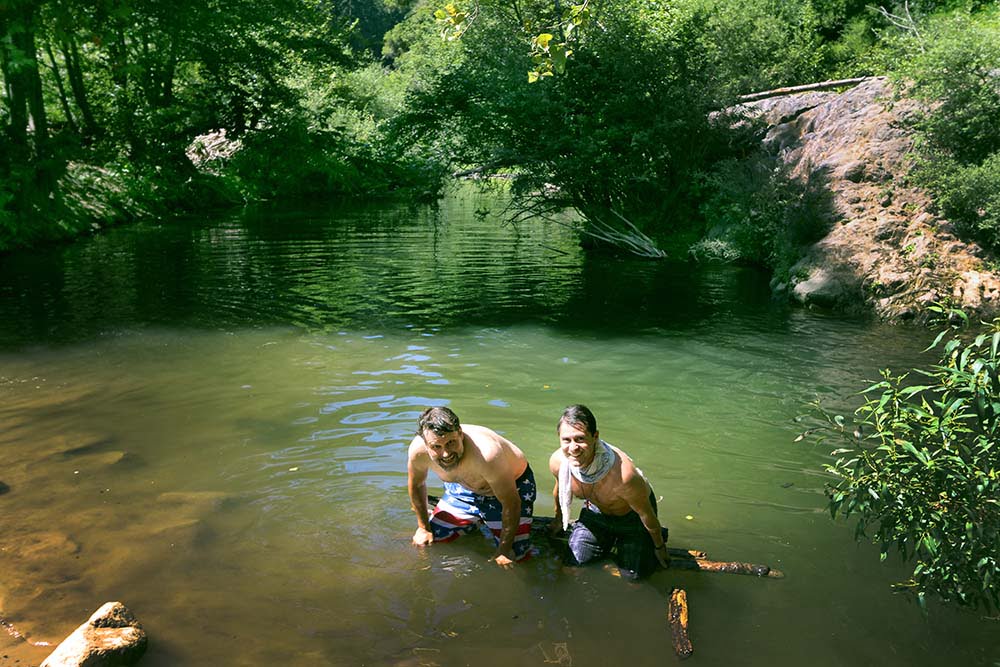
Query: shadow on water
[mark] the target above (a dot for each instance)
(362, 268)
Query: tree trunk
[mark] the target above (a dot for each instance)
(57, 76)
(17, 101)
(71, 56)
(169, 69)
(24, 40)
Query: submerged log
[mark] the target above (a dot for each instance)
(725, 567)
(677, 616)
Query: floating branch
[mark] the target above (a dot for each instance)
(677, 616)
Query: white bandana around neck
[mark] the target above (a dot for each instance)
(604, 459)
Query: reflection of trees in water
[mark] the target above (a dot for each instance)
(320, 267)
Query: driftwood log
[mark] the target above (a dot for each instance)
(688, 559)
(677, 616)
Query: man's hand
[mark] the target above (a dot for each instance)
(423, 537)
(503, 560)
(663, 556)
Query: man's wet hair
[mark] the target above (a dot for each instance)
(578, 415)
(438, 421)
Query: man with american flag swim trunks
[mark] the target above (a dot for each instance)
(486, 479)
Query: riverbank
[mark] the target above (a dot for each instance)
(887, 251)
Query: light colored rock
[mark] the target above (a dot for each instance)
(821, 288)
(893, 255)
(112, 636)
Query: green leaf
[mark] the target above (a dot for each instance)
(936, 341)
(543, 40)
(906, 392)
(558, 58)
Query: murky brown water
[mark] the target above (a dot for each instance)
(207, 420)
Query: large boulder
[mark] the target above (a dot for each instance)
(886, 250)
(112, 637)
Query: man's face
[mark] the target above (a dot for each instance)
(445, 450)
(578, 446)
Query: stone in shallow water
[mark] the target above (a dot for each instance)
(112, 636)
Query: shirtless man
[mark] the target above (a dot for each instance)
(486, 478)
(619, 508)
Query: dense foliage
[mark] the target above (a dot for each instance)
(921, 471)
(612, 109)
(127, 86)
(955, 66)
(611, 136)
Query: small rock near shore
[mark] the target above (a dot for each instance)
(111, 637)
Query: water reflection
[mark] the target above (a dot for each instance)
(360, 268)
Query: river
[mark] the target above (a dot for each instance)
(207, 419)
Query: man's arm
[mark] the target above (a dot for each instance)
(510, 502)
(637, 496)
(555, 462)
(416, 484)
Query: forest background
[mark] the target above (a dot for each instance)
(624, 110)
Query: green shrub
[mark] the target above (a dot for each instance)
(958, 71)
(968, 195)
(921, 470)
(757, 214)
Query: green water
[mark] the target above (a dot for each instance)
(207, 419)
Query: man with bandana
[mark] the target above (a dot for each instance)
(487, 480)
(619, 509)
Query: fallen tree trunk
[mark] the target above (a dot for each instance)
(804, 88)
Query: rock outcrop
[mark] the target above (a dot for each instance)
(885, 250)
(111, 636)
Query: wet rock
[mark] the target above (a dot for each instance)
(112, 636)
(822, 288)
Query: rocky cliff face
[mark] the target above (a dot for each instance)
(885, 250)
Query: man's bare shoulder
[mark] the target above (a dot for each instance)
(631, 477)
(490, 443)
(556, 461)
(417, 450)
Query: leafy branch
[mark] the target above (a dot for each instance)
(921, 470)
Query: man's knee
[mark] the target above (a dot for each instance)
(583, 546)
